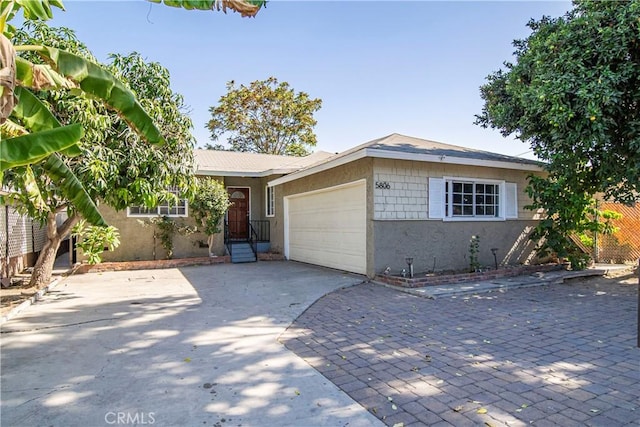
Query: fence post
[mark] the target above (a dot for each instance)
(638, 271)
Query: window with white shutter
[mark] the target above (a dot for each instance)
(469, 199)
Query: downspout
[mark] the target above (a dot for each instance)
(6, 223)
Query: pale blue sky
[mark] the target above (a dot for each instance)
(380, 67)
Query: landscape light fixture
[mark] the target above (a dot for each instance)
(409, 261)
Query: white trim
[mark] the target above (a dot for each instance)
(325, 189)
(401, 155)
(267, 202)
(432, 158)
(285, 211)
(448, 216)
(247, 174)
(319, 168)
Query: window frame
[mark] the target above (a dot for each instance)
(270, 202)
(182, 203)
(448, 198)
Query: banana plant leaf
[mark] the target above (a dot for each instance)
(35, 147)
(40, 76)
(73, 190)
(37, 117)
(98, 82)
(32, 9)
(247, 8)
(39, 9)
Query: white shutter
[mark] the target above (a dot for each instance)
(436, 198)
(511, 200)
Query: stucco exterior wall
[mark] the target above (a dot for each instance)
(361, 169)
(445, 245)
(137, 242)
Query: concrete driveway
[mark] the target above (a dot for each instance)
(190, 346)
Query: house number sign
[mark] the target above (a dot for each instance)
(383, 185)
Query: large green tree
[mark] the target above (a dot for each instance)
(32, 132)
(29, 132)
(265, 117)
(573, 94)
(116, 166)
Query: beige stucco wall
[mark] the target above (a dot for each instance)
(137, 242)
(446, 244)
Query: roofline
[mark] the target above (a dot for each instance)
(400, 155)
(261, 174)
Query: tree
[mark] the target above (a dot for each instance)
(29, 132)
(573, 94)
(32, 134)
(116, 166)
(208, 205)
(265, 117)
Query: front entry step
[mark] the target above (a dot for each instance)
(242, 252)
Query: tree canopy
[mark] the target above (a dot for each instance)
(115, 164)
(265, 117)
(573, 94)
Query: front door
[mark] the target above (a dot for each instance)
(238, 213)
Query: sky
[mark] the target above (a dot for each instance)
(380, 67)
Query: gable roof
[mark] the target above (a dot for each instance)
(233, 163)
(402, 147)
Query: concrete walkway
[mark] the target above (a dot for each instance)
(190, 347)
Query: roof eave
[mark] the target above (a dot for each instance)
(246, 174)
(398, 155)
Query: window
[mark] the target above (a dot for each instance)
(271, 201)
(472, 199)
(169, 208)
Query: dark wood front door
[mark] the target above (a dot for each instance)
(238, 213)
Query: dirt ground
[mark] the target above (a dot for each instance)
(20, 291)
(16, 294)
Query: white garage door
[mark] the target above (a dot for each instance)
(328, 227)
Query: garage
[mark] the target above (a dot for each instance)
(328, 227)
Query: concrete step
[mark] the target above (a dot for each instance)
(242, 252)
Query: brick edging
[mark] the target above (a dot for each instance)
(164, 263)
(418, 282)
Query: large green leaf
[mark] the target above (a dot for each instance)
(73, 190)
(35, 147)
(36, 117)
(247, 8)
(39, 9)
(40, 76)
(100, 83)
